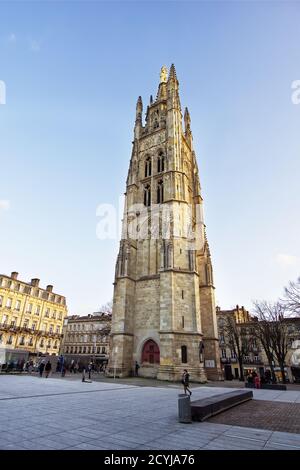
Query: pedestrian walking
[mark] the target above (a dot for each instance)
(42, 367)
(137, 368)
(186, 382)
(48, 368)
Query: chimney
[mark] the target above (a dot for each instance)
(35, 282)
(14, 275)
(49, 288)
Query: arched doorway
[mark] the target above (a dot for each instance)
(150, 352)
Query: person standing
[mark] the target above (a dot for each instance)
(42, 367)
(137, 368)
(186, 382)
(48, 368)
(63, 370)
(257, 381)
(90, 366)
(72, 366)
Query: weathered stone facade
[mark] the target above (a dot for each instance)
(86, 338)
(256, 359)
(164, 310)
(31, 318)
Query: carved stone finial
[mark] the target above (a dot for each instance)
(163, 74)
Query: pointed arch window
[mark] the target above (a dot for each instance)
(160, 162)
(160, 192)
(148, 167)
(147, 195)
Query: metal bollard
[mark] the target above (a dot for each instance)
(184, 409)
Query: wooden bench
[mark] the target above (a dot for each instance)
(207, 407)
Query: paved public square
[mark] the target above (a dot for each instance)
(54, 413)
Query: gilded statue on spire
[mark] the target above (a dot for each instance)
(163, 74)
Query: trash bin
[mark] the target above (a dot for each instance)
(184, 408)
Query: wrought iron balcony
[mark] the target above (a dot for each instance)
(252, 360)
(228, 360)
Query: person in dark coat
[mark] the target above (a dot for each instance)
(42, 367)
(137, 368)
(48, 368)
(186, 382)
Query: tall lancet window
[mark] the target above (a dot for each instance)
(160, 162)
(147, 195)
(148, 167)
(160, 192)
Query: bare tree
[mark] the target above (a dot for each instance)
(237, 341)
(262, 331)
(107, 308)
(292, 297)
(105, 328)
(272, 328)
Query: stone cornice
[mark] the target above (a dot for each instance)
(182, 333)
(121, 334)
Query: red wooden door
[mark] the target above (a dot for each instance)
(150, 352)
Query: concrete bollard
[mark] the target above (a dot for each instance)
(184, 408)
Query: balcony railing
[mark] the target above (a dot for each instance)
(32, 331)
(252, 360)
(228, 360)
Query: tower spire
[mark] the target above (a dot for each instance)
(187, 119)
(173, 89)
(138, 118)
(187, 127)
(172, 74)
(139, 108)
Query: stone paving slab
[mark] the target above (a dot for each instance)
(58, 414)
(271, 415)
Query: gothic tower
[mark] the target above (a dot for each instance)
(163, 308)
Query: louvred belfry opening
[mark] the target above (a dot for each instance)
(151, 352)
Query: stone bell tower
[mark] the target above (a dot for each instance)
(163, 308)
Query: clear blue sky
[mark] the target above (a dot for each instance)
(73, 72)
